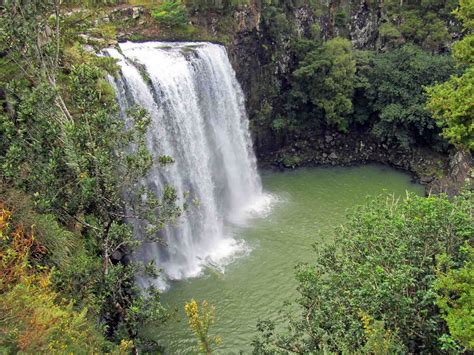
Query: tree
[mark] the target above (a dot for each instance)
(219, 5)
(64, 143)
(455, 287)
(451, 101)
(171, 14)
(326, 79)
(382, 267)
(395, 94)
(426, 23)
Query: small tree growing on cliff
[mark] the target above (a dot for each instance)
(171, 14)
(326, 79)
(451, 102)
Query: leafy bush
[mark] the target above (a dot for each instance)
(32, 320)
(451, 104)
(383, 264)
(395, 94)
(456, 298)
(219, 5)
(59, 245)
(451, 101)
(171, 14)
(326, 79)
(425, 23)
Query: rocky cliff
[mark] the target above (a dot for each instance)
(259, 42)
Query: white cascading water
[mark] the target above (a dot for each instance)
(199, 119)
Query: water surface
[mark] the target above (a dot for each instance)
(310, 203)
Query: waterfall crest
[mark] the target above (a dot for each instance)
(199, 119)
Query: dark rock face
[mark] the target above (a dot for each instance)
(460, 173)
(248, 58)
(364, 25)
(438, 172)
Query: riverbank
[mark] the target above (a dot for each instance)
(438, 172)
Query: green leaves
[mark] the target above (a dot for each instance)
(451, 104)
(426, 23)
(451, 101)
(456, 299)
(383, 265)
(171, 14)
(65, 143)
(395, 94)
(326, 78)
(214, 5)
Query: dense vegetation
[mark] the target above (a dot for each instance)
(451, 102)
(70, 168)
(340, 88)
(399, 276)
(332, 85)
(378, 286)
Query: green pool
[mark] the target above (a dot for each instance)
(309, 204)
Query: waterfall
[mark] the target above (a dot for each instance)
(199, 119)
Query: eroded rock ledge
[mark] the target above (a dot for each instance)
(440, 173)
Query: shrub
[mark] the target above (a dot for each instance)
(326, 79)
(456, 298)
(395, 94)
(32, 320)
(171, 14)
(451, 101)
(383, 264)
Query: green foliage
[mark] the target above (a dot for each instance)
(171, 14)
(390, 34)
(326, 79)
(291, 160)
(32, 322)
(395, 94)
(59, 244)
(452, 106)
(463, 51)
(165, 160)
(200, 319)
(451, 101)
(382, 264)
(64, 144)
(465, 14)
(275, 23)
(214, 5)
(379, 341)
(456, 298)
(427, 29)
(32, 318)
(424, 23)
(93, 3)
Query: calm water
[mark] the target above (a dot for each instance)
(310, 203)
